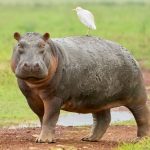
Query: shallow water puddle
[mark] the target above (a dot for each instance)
(74, 119)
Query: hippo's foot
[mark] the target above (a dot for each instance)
(46, 140)
(90, 139)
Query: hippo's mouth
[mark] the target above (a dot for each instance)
(31, 78)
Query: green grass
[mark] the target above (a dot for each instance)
(128, 122)
(13, 108)
(142, 145)
(126, 24)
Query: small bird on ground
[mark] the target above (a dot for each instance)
(86, 17)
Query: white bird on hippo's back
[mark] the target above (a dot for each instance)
(86, 17)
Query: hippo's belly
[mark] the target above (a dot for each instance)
(83, 106)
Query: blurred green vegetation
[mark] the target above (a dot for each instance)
(144, 144)
(125, 22)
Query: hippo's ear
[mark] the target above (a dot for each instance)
(46, 36)
(17, 36)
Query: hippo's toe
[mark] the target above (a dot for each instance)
(89, 139)
(46, 140)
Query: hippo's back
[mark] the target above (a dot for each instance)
(97, 68)
(92, 48)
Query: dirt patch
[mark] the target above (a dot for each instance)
(68, 138)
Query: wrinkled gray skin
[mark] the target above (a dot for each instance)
(92, 76)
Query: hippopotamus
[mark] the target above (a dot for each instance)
(82, 74)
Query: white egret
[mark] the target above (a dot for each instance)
(86, 17)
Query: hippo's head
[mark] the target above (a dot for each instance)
(32, 57)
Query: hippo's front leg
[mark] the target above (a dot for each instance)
(51, 114)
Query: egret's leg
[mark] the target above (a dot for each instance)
(88, 32)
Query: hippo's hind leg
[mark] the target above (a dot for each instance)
(138, 106)
(142, 116)
(101, 122)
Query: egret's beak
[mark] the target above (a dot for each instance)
(73, 9)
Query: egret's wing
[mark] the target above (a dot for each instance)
(87, 18)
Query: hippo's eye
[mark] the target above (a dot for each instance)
(20, 45)
(20, 48)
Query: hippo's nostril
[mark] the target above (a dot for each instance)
(25, 66)
(36, 66)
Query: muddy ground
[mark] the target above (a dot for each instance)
(68, 138)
